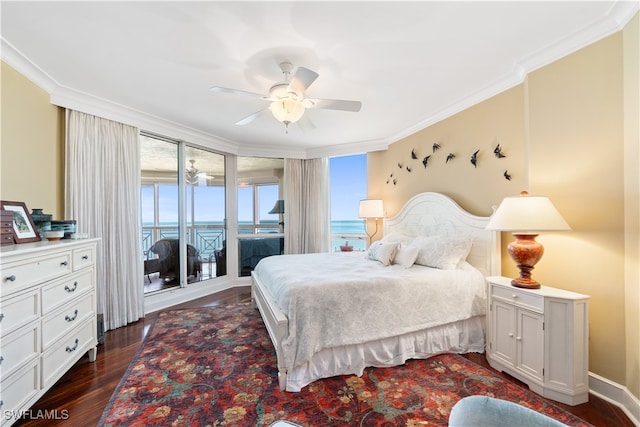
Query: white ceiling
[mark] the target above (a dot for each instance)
(410, 63)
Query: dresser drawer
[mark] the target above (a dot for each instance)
(520, 298)
(19, 310)
(83, 257)
(67, 317)
(18, 390)
(19, 347)
(62, 291)
(18, 276)
(66, 351)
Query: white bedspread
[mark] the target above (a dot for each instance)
(339, 299)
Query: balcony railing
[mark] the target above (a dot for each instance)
(206, 238)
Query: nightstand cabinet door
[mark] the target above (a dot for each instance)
(529, 341)
(540, 336)
(503, 322)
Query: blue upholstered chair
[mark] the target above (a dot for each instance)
(481, 411)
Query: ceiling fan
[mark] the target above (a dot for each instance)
(288, 102)
(195, 176)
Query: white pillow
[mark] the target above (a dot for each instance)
(406, 255)
(383, 252)
(397, 238)
(442, 252)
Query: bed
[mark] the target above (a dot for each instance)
(408, 297)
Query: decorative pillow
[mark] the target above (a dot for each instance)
(442, 252)
(406, 255)
(397, 238)
(383, 252)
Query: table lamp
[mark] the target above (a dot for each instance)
(370, 208)
(526, 216)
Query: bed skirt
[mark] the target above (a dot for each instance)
(465, 336)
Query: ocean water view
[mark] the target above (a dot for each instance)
(342, 231)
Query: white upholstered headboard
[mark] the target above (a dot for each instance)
(430, 214)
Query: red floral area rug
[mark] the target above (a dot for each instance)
(216, 366)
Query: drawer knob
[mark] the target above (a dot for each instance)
(72, 349)
(68, 289)
(1, 359)
(70, 318)
(510, 335)
(518, 338)
(64, 263)
(514, 296)
(11, 278)
(1, 316)
(85, 257)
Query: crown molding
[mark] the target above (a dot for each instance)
(617, 18)
(16, 60)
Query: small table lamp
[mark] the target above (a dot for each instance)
(525, 216)
(370, 208)
(278, 208)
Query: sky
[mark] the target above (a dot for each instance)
(348, 180)
(348, 185)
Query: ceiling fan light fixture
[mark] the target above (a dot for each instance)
(287, 110)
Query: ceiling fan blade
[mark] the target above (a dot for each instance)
(301, 80)
(306, 124)
(251, 117)
(333, 104)
(235, 92)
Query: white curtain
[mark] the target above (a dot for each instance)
(307, 217)
(102, 182)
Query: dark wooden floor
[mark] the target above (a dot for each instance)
(82, 394)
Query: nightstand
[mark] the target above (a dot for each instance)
(540, 336)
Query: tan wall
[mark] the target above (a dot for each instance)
(562, 132)
(576, 158)
(499, 120)
(31, 145)
(631, 52)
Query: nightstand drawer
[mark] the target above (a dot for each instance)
(518, 297)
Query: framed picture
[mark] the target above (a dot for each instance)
(24, 230)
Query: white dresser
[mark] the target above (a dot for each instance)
(47, 317)
(540, 336)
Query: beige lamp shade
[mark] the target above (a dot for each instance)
(527, 214)
(371, 208)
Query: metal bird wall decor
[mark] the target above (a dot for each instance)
(450, 156)
(425, 161)
(414, 156)
(408, 169)
(506, 175)
(474, 158)
(498, 152)
(436, 147)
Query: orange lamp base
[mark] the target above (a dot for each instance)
(526, 253)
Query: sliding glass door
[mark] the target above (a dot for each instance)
(182, 212)
(205, 218)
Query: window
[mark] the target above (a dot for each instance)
(348, 185)
(259, 190)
